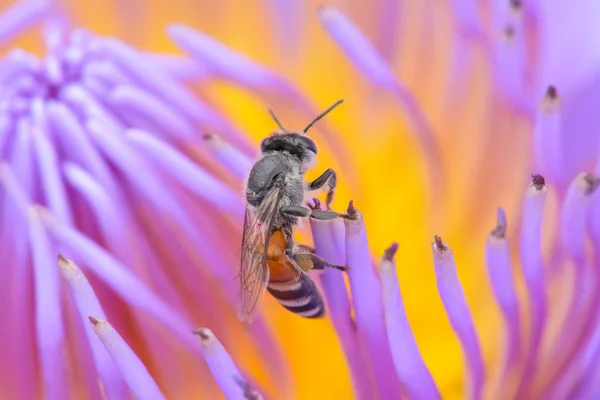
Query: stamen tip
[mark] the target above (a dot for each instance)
(551, 93)
(93, 320)
(439, 244)
(538, 181)
(203, 334)
(509, 31)
(351, 211)
(501, 225)
(390, 252)
(592, 181)
(315, 205)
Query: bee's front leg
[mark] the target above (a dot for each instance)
(326, 177)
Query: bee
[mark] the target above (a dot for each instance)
(275, 194)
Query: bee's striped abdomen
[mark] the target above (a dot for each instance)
(300, 296)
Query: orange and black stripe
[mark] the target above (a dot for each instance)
(299, 296)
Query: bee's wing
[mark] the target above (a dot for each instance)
(254, 272)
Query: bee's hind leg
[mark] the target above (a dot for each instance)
(317, 262)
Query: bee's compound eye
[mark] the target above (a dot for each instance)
(307, 143)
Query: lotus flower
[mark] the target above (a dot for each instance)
(127, 153)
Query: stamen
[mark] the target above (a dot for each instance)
(197, 180)
(76, 142)
(173, 92)
(366, 59)
(139, 380)
(499, 231)
(577, 327)
(223, 368)
(87, 303)
(151, 112)
(234, 160)
(54, 189)
(368, 305)
(48, 310)
(221, 59)
(538, 182)
(533, 272)
(499, 270)
(178, 67)
(453, 297)
(117, 276)
(329, 238)
(412, 371)
(119, 151)
(547, 138)
(20, 16)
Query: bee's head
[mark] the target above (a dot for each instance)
(297, 144)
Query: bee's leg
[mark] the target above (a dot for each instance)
(289, 242)
(299, 211)
(296, 211)
(318, 262)
(326, 177)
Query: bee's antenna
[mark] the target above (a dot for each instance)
(324, 113)
(276, 120)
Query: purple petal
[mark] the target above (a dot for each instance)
(223, 368)
(412, 371)
(87, 303)
(187, 173)
(532, 264)
(453, 297)
(133, 370)
(368, 305)
(48, 316)
(329, 239)
(499, 269)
